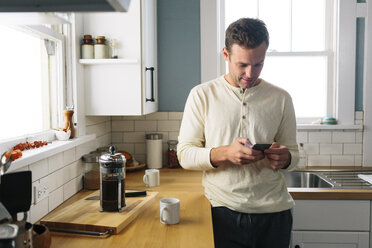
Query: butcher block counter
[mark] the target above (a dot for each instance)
(194, 230)
(195, 227)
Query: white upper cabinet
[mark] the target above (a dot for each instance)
(127, 85)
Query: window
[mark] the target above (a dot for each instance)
(299, 58)
(31, 80)
(311, 52)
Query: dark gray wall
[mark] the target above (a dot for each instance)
(178, 51)
(359, 64)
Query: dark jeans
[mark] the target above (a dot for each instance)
(233, 229)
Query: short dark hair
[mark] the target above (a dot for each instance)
(246, 32)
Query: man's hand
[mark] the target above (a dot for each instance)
(278, 155)
(235, 154)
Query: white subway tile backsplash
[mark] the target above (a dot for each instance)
(320, 137)
(125, 147)
(116, 118)
(319, 160)
(85, 149)
(69, 156)
(103, 140)
(173, 135)
(55, 180)
(72, 187)
(157, 116)
(55, 162)
(330, 149)
(342, 160)
(39, 210)
(358, 137)
(55, 198)
(140, 148)
(75, 169)
(358, 122)
(343, 137)
(358, 160)
(134, 137)
(175, 115)
(353, 149)
(145, 126)
(39, 169)
(302, 137)
(117, 137)
(311, 149)
(99, 129)
(94, 120)
(168, 125)
(136, 118)
(122, 126)
(359, 115)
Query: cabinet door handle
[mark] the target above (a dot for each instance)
(152, 84)
(297, 246)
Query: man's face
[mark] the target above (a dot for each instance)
(245, 65)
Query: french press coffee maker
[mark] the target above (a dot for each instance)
(112, 181)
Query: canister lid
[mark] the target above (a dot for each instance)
(172, 142)
(112, 159)
(154, 136)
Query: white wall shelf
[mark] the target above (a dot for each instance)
(107, 61)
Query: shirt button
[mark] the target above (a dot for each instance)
(244, 104)
(243, 116)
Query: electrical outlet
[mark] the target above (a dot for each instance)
(40, 192)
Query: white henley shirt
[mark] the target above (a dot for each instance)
(216, 114)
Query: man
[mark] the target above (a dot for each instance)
(246, 189)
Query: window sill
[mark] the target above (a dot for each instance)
(328, 127)
(56, 146)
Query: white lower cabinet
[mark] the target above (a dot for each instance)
(324, 239)
(331, 224)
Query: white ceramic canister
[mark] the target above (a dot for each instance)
(154, 150)
(87, 48)
(100, 48)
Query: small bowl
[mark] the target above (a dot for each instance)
(62, 135)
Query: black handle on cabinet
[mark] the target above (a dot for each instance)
(297, 246)
(152, 84)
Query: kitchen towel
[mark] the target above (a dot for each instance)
(367, 178)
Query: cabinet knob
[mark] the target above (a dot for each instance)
(297, 246)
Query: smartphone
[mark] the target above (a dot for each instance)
(261, 146)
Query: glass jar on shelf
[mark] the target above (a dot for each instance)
(172, 160)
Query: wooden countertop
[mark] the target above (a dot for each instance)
(194, 230)
(330, 194)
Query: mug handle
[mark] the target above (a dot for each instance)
(146, 179)
(162, 215)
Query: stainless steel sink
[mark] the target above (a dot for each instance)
(340, 179)
(305, 180)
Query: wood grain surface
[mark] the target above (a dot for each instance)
(146, 230)
(85, 215)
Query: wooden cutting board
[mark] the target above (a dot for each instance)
(85, 215)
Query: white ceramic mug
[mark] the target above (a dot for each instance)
(170, 211)
(152, 178)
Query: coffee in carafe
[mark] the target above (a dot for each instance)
(112, 181)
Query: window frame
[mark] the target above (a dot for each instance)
(37, 28)
(212, 62)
